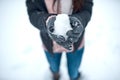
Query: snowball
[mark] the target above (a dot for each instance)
(62, 25)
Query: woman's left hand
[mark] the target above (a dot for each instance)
(77, 29)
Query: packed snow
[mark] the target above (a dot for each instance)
(62, 25)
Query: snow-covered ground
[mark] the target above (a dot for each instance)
(22, 56)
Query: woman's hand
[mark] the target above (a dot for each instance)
(77, 29)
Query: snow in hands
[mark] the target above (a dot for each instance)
(62, 25)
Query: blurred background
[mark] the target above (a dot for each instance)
(22, 56)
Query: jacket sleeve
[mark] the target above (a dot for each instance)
(84, 15)
(37, 14)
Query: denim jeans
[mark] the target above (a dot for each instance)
(73, 62)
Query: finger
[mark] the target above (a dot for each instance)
(74, 35)
(68, 45)
(61, 38)
(69, 33)
(73, 39)
(78, 29)
(54, 37)
(70, 39)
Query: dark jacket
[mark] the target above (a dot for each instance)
(38, 15)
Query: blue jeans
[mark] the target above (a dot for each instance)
(73, 62)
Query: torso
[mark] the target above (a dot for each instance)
(66, 9)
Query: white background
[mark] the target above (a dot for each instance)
(22, 56)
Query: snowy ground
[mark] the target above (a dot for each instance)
(22, 57)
